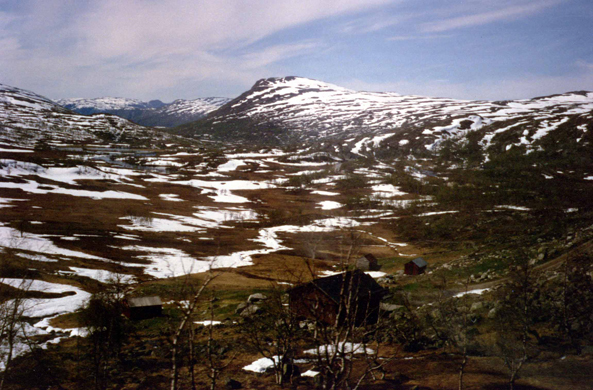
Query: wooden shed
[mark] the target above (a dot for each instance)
(352, 296)
(141, 308)
(415, 267)
(368, 262)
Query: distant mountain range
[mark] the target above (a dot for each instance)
(293, 111)
(153, 113)
(27, 119)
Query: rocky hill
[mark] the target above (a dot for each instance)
(153, 113)
(27, 118)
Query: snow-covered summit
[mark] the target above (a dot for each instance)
(196, 106)
(152, 113)
(104, 104)
(297, 109)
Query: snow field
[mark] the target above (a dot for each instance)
(42, 307)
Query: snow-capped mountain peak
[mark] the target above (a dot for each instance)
(289, 109)
(152, 113)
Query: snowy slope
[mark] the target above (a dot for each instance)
(152, 113)
(300, 109)
(106, 104)
(27, 118)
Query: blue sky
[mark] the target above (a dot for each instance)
(168, 49)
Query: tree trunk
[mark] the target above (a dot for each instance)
(177, 337)
(462, 371)
(8, 361)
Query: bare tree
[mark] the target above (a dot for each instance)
(107, 330)
(352, 330)
(273, 334)
(12, 326)
(572, 311)
(187, 310)
(514, 319)
(453, 325)
(215, 360)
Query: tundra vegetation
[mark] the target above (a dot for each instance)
(223, 233)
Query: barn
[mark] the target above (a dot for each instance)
(141, 308)
(326, 299)
(415, 267)
(368, 262)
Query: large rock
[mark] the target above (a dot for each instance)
(240, 307)
(250, 311)
(389, 307)
(255, 298)
(476, 306)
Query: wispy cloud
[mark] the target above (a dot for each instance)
(488, 89)
(419, 37)
(114, 46)
(372, 23)
(486, 17)
(277, 53)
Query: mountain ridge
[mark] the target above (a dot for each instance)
(153, 113)
(285, 110)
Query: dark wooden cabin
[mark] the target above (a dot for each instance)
(325, 299)
(141, 308)
(368, 262)
(415, 267)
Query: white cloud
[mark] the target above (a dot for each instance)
(138, 48)
(372, 23)
(418, 37)
(510, 12)
(277, 53)
(507, 89)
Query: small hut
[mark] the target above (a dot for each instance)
(141, 308)
(415, 267)
(368, 262)
(325, 299)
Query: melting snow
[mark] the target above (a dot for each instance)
(325, 193)
(330, 205)
(261, 365)
(230, 165)
(43, 307)
(11, 238)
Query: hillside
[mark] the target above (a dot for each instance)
(293, 109)
(96, 206)
(153, 113)
(28, 119)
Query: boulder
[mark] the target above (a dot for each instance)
(389, 307)
(255, 298)
(250, 311)
(476, 306)
(240, 307)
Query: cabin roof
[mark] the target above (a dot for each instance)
(144, 301)
(332, 285)
(420, 262)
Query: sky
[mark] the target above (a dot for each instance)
(185, 49)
